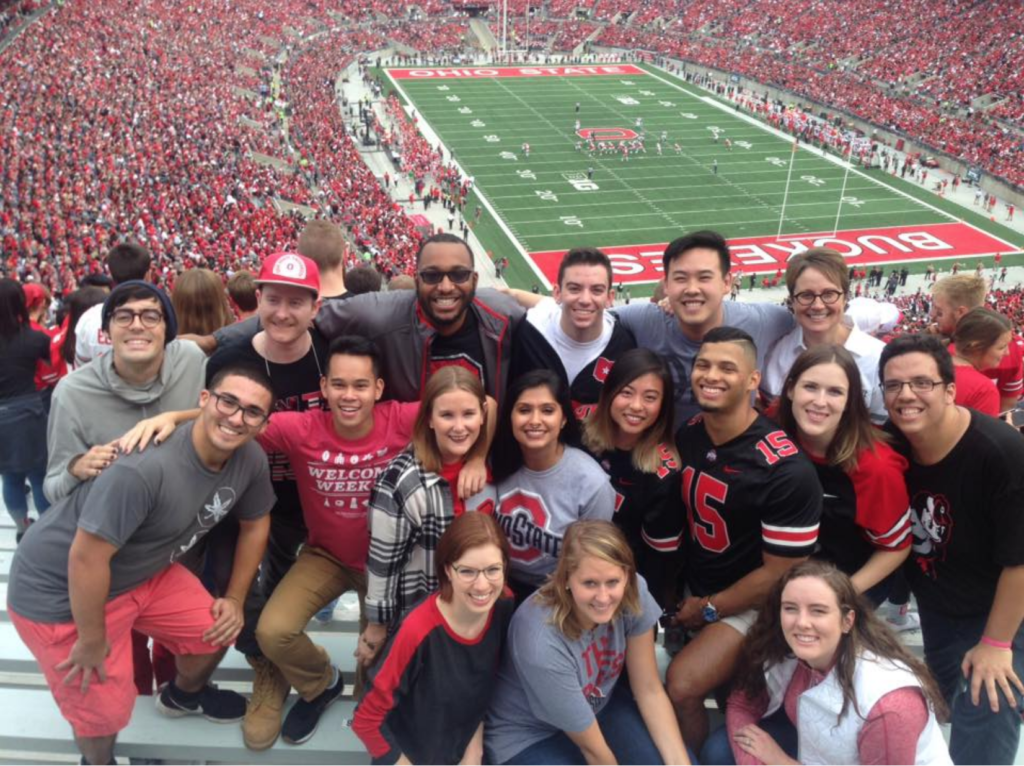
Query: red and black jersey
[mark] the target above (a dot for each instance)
(864, 510)
(533, 352)
(757, 492)
(648, 511)
(431, 688)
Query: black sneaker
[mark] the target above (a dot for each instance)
(212, 703)
(301, 722)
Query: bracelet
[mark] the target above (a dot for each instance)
(997, 644)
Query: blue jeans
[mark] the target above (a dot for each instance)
(718, 748)
(14, 493)
(978, 734)
(622, 726)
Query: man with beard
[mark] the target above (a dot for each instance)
(753, 503)
(444, 322)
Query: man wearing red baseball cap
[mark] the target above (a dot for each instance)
(295, 358)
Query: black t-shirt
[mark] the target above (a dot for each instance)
(649, 512)
(757, 492)
(463, 348)
(18, 357)
(968, 519)
(296, 389)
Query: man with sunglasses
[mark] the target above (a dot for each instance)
(967, 557)
(108, 559)
(445, 322)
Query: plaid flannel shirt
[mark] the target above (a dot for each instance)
(410, 508)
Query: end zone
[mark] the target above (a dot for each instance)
(761, 255)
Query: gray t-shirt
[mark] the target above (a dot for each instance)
(153, 506)
(660, 332)
(536, 507)
(548, 683)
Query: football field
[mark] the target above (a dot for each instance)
(717, 168)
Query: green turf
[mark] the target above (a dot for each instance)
(650, 198)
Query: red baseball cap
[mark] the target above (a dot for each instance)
(35, 294)
(290, 269)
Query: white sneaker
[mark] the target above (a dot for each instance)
(910, 622)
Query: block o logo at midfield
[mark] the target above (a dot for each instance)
(607, 134)
(523, 518)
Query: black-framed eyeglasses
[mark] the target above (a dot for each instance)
(150, 318)
(228, 405)
(917, 385)
(455, 276)
(468, 575)
(828, 297)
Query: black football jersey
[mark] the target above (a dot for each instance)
(757, 492)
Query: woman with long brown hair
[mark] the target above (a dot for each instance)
(980, 341)
(200, 302)
(822, 674)
(865, 522)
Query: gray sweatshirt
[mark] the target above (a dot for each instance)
(94, 405)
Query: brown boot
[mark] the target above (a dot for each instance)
(270, 689)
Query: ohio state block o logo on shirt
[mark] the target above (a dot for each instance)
(523, 518)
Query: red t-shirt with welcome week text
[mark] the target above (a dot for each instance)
(334, 476)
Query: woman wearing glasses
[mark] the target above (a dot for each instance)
(562, 693)
(865, 525)
(818, 281)
(429, 693)
(415, 499)
(980, 341)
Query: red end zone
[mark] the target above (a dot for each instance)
(933, 242)
(470, 73)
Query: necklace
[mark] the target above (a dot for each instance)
(316, 358)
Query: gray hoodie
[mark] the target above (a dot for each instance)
(94, 405)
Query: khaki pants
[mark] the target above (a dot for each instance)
(316, 579)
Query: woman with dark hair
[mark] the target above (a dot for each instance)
(416, 498)
(544, 483)
(980, 341)
(865, 522)
(836, 685)
(22, 412)
(447, 648)
(559, 699)
(62, 347)
(629, 433)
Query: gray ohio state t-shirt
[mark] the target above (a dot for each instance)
(536, 507)
(153, 506)
(549, 683)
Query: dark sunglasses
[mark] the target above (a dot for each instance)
(455, 276)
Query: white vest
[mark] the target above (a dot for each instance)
(821, 739)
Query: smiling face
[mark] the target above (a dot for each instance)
(446, 302)
(137, 346)
(917, 413)
(597, 587)
(456, 420)
(635, 408)
(351, 390)
(994, 354)
(478, 596)
(227, 433)
(819, 399)
(812, 622)
(286, 312)
(723, 377)
(695, 288)
(537, 421)
(819, 318)
(584, 294)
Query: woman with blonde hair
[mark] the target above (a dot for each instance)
(629, 433)
(200, 302)
(416, 498)
(558, 698)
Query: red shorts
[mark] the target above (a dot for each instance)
(173, 608)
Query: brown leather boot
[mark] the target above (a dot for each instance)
(270, 689)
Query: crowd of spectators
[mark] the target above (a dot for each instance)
(12, 12)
